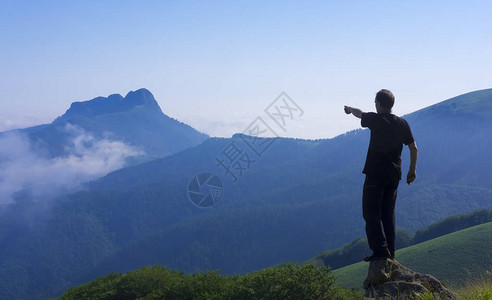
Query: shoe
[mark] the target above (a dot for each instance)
(375, 257)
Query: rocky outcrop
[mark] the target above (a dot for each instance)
(388, 279)
(112, 104)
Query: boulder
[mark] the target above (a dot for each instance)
(388, 279)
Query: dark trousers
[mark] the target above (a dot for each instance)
(378, 209)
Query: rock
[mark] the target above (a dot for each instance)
(396, 290)
(112, 104)
(388, 279)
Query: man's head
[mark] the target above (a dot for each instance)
(384, 101)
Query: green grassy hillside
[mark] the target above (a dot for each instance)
(455, 259)
(352, 252)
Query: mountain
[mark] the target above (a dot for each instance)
(112, 104)
(457, 258)
(296, 199)
(91, 139)
(136, 120)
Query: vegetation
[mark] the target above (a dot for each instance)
(156, 282)
(451, 224)
(457, 259)
(354, 251)
(479, 289)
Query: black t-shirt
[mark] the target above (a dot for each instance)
(388, 134)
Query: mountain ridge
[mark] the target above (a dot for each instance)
(472, 102)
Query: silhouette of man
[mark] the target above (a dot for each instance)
(383, 172)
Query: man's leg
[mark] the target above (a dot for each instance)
(372, 202)
(388, 214)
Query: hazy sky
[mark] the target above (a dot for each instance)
(217, 64)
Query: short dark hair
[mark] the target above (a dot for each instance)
(386, 98)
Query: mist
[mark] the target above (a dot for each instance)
(28, 173)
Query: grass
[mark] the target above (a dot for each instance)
(478, 289)
(457, 259)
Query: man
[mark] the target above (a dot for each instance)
(383, 172)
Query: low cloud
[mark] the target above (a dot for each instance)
(25, 172)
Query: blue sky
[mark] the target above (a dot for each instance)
(216, 65)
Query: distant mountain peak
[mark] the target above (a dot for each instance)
(111, 104)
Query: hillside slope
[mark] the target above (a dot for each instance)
(455, 259)
(353, 252)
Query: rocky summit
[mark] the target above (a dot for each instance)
(113, 103)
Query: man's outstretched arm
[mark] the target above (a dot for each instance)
(352, 110)
(412, 174)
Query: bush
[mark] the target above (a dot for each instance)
(156, 282)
